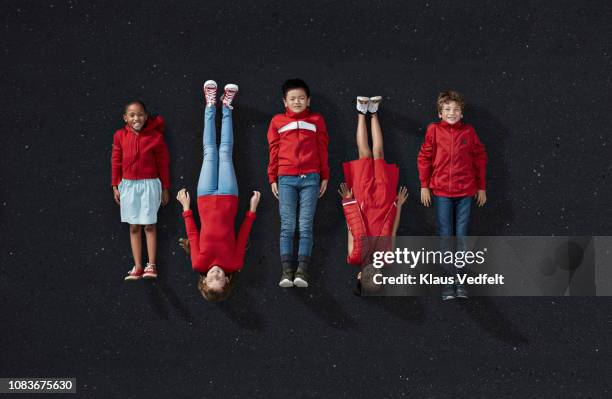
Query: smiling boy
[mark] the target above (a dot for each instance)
(452, 164)
(298, 173)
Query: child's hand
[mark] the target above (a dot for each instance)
(274, 187)
(344, 191)
(426, 196)
(183, 198)
(165, 197)
(402, 196)
(255, 201)
(116, 195)
(323, 187)
(481, 197)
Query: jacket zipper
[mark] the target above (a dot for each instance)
(450, 169)
(299, 146)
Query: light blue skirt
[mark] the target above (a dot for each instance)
(140, 200)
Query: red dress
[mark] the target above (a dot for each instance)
(372, 213)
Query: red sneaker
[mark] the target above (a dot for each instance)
(150, 271)
(210, 92)
(134, 274)
(229, 93)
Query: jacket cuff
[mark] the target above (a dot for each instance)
(348, 201)
(250, 215)
(187, 213)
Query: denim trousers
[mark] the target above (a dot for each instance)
(217, 175)
(453, 219)
(297, 192)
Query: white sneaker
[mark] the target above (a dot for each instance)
(210, 93)
(229, 93)
(373, 104)
(362, 104)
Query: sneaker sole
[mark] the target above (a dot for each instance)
(132, 278)
(149, 276)
(463, 296)
(298, 282)
(448, 297)
(285, 283)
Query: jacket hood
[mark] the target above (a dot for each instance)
(153, 124)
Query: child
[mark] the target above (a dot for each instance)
(298, 174)
(369, 200)
(216, 252)
(140, 180)
(452, 163)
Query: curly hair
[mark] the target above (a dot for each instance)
(448, 96)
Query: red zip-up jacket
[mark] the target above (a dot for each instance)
(217, 244)
(298, 145)
(452, 161)
(142, 155)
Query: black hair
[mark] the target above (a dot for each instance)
(291, 84)
(135, 102)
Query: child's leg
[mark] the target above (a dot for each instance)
(227, 175)
(207, 183)
(463, 210)
(309, 194)
(362, 137)
(444, 215)
(136, 244)
(377, 138)
(288, 199)
(151, 236)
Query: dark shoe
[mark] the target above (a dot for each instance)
(448, 292)
(286, 280)
(301, 279)
(461, 291)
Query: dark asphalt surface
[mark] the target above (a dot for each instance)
(536, 76)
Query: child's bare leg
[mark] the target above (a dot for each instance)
(151, 235)
(136, 243)
(362, 137)
(377, 138)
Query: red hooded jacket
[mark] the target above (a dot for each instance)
(142, 155)
(298, 145)
(452, 161)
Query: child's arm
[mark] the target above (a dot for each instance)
(162, 159)
(355, 225)
(273, 143)
(322, 146)
(190, 226)
(479, 160)
(402, 196)
(116, 166)
(425, 164)
(247, 224)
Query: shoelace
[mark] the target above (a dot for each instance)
(210, 93)
(228, 96)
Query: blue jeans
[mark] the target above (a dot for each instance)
(294, 190)
(217, 175)
(453, 218)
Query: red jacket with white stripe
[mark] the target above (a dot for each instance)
(141, 155)
(298, 145)
(452, 161)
